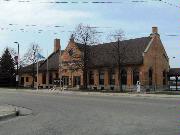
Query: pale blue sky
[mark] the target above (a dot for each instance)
(136, 19)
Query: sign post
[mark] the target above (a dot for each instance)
(138, 86)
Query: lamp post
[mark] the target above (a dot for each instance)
(17, 72)
(176, 77)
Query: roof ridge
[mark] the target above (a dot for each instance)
(123, 40)
(113, 42)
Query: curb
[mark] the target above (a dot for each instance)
(143, 95)
(9, 115)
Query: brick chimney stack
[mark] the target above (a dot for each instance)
(154, 32)
(57, 45)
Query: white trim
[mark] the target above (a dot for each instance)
(147, 48)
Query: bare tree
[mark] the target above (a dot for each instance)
(86, 36)
(119, 50)
(30, 58)
(14, 54)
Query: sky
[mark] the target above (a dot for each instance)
(41, 21)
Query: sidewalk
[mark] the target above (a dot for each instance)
(89, 93)
(104, 94)
(7, 111)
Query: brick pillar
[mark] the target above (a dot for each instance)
(96, 77)
(142, 77)
(82, 80)
(116, 77)
(129, 77)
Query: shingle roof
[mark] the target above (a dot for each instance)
(29, 68)
(174, 72)
(52, 62)
(80, 46)
(104, 54)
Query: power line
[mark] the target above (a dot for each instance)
(95, 2)
(56, 32)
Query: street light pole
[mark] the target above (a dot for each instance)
(60, 68)
(17, 72)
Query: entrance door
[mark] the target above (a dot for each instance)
(65, 80)
(77, 81)
(22, 80)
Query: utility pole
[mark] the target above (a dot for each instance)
(17, 71)
(60, 67)
(34, 52)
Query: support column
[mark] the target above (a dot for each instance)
(116, 77)
(176, 83)
(47, 79)
(129, 82)
(96, 77)
(106, 78)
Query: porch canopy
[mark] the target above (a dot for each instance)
(174, 79)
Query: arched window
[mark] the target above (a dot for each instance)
(164, 77)
(91, 78)
(101, 77)
(123, 77)
(112, 77)
(135, 76)
(150, 76)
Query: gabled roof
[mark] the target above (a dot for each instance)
(104, 54)
(29, 68)
(53, 62)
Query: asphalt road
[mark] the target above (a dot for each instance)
(68, 114)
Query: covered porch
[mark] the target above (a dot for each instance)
(174, 79)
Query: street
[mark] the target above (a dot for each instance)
(69, 114)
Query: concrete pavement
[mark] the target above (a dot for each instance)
(65, 113)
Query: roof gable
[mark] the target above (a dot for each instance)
(53, 63)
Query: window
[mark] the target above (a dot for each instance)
(65, 80)
(112, 77)
(123, 77)
(164, 77)
(50, 78)
(150, 76)
(22, 80)
(135, 76)
(77, 80)
(101, 77)
(27, 79)
(35, 78)
(44, 78)
(57, 75)
(70, 52)
(91, 78)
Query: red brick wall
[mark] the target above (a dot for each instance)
(155, 58)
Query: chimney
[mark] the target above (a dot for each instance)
(154, 32)
(56, 45)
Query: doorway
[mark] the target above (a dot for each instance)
(76, 81)
(65, 80)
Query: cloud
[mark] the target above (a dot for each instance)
(42, 14)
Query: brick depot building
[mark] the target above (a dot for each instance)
(145, 60)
